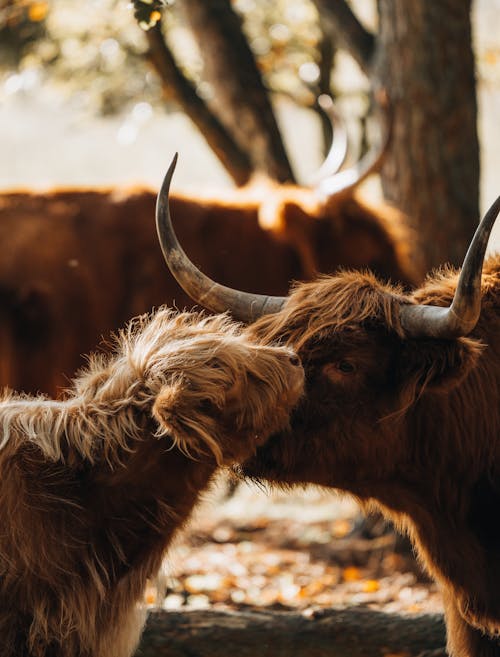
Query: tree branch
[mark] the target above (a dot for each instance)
(343, 633)
(233, 158)
(347, 31)
(240, 98)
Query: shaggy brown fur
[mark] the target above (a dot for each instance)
(411, 426)
(93, 487)
(78, 264)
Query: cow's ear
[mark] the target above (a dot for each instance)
(168, 408)
(187, 418)
(437, 365)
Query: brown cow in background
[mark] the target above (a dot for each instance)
(401, 410)
(77, 264)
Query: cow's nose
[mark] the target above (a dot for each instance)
(295, 360)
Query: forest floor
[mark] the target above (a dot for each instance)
(293, 550)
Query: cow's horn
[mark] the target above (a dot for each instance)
(218, 298)
(344, 181)
(338, 148)
(461, 317)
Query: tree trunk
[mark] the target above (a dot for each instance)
(240, 98)
(425, 61)
(343, 633)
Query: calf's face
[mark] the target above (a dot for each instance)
(227, 396)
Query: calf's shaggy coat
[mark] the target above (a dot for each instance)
(93, 487)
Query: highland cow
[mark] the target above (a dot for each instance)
(93, 487)
(401, 410)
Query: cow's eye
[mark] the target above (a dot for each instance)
(206, 406)
(346, 366)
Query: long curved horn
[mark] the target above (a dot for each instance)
(243, 306)
(338, 148)
(462, 316)
(344, 181)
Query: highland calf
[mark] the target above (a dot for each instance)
(94, 486)
(401, 410)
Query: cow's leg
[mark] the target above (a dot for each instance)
(463, 640)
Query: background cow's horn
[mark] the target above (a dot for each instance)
(344, 181)
(337, 152)
(461, 317)
(219, 298)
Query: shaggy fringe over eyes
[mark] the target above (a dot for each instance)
(238, 380)
(105, 396)
(177, 412)
(333, 302)
(170, 354)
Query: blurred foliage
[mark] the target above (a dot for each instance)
(285, 38)
(22, 24)
(94, 51)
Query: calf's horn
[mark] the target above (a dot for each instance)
(243, 306)
(462, 316)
